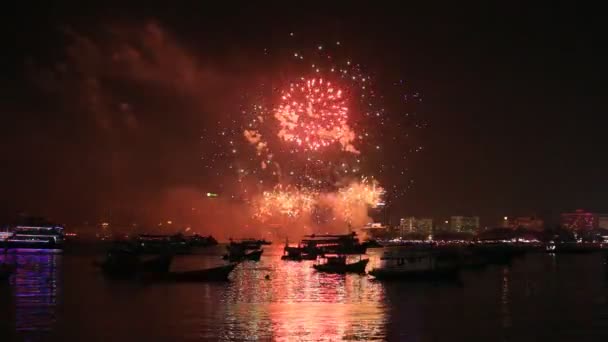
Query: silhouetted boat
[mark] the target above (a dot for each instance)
(338, 264)
(240, 256)
(372, 244)
(439, 274)
(415, 265)
(572, 247)
(292, 253)
(157, 244)
(201, 241)
(126, 264)
(219, 273)
(247, 244)
(5, 271)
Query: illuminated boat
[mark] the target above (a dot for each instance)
(33, 237)
(415, 265)
(315, 246)
(339, 264)
(332, 244)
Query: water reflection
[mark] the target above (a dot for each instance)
(34, 292)
(296, 302)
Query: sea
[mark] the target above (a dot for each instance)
(539, 297)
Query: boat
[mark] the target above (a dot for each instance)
(240, 255)
(156, 244)
(126, 264)
(372, 243)
(332, 244)
(38, 236)
(219, 273)
(291, 253)
(248, 243)
(338, 264)
(159, 264)
(5, 271)
(572, 247)
(201, 241)
(415, 265)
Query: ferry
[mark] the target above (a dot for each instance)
(33, 237)
(314, 246)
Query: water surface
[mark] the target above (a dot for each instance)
(539, 297)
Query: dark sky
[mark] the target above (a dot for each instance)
(513, 95)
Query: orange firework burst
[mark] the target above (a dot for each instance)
(359, 195)
(313, 114)
(364, 192)
(284, 202)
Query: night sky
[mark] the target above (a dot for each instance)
(513, 97)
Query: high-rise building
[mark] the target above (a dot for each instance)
(464, 224)
(602, 221)
(580, 220)
(526, 222)
(416, 225)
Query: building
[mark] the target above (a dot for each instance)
(464, 224)
(579, 220)
(416, 225)
(442, 226)
(602, 221)
(376, 230)
(526, 222)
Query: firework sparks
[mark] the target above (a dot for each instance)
(313, 114)
(312, 139)
(287, 202)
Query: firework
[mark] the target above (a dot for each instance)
(312, 136)
(313, 114)
(287, 202)
(357, 197)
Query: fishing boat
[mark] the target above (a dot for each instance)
(339, 264)
(415, 265)
(219, 273)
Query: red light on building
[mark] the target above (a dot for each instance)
(579, 220)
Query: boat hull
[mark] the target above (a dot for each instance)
(129, 267)
(444, 274)
(253, 256)
(6, 271)
(220, 273)
(356, 267)
(30, 245)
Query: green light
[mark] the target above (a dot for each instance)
(211, 194)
